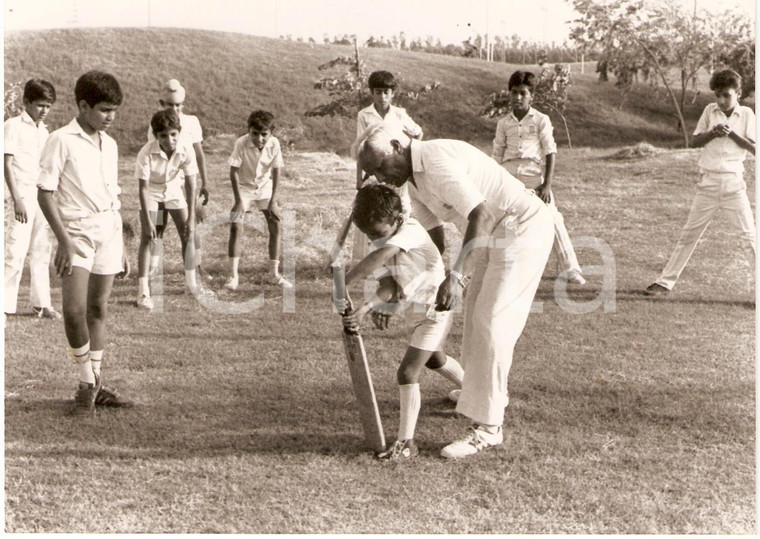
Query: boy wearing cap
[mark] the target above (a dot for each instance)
(191, 135)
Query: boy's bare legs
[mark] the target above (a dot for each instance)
(85, 300)
(273, 224)
(233, 251)
(408, 376)
(146, 252)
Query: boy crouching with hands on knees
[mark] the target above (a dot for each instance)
(158, 168)
(413, 270)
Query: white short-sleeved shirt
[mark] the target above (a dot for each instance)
(165, 175)
(397, 122)
(84, 175)
(530, 138)
(256, 166)
(452, 177)
(722, 154)
(191, 132)
(417, 268)
(24, 140)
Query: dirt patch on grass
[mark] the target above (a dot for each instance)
(642, 149)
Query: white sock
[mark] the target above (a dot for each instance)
(234, 265)
(410, 410)
(452, 371)
(143, 286)
(490, 429)
(96, 357)
(190, 279)
(275, 265)
(154, 261)
(81, 356)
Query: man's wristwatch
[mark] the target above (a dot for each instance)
(458, 276)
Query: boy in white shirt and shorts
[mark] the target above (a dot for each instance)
(411, 269)
(78, 193)
(163, 167)
(255, 166)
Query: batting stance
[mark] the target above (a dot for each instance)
(508, 234)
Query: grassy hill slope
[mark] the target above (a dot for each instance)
(228, 75)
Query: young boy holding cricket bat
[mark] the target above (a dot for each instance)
(409, 269)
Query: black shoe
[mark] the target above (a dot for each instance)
(400, 450)
(109, 397)
(655, 289)
(84, 398)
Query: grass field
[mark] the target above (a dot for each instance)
(639, 420)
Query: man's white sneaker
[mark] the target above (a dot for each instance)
(477, 440)
(200, 293)
(454, 395)
(145, 302)
(573, 276)
(231, 284)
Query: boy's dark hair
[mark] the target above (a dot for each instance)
(522, 77)
(728, 78)
(261, 119)
(376, 203)
(38, 90)
(164, 120)
(381, 80)
(98, 87)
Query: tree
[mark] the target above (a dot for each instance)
(551, 92)
(349, 90)
(742, 60)
(661, 36)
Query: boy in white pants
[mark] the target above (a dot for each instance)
(27, 231)
(524, 139)
(412, 269)
(727, 132)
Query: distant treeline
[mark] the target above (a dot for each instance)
(512, 50)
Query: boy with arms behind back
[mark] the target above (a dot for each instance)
(727, 132)
(191, 135)
(382, 86)
(524, 140)
(413, 270)
(28, 232)
(78, 193)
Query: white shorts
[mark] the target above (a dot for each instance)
(430, 328)
(99, 237)
(174, 204)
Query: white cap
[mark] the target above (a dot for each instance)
(173, 93)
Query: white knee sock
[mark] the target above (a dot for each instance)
(154, 262)
(452, 371)
(81, 356)
(143, 286)
(96, 357)
(275, 265)
(410, 410)
(234, 265)
(190, 278)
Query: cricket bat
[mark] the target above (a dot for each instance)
(340, 241)
(356, 355)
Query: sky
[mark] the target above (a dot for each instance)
(452, 21)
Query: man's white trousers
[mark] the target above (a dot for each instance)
(496, 307)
